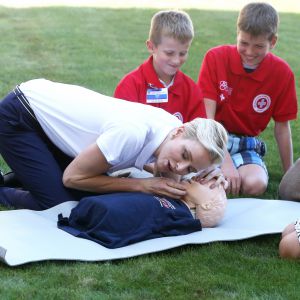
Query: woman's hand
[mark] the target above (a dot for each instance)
(163, 187)
(212, 173)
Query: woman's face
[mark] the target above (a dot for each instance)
(181, 155)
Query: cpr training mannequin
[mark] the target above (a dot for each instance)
(207, 204)
(120, 219)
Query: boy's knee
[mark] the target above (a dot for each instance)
(284, 249)
(289, 247)
(288, 193)
(289, 187)
(252, 185)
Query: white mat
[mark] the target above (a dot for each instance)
(29, 236)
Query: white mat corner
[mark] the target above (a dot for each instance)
(30, 236)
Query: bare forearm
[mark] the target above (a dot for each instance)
(286, 154)
(106, 184)
(285, 146)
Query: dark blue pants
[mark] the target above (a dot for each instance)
(36, 161)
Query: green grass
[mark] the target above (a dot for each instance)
(95, 48)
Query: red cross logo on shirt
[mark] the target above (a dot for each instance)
(261, 103)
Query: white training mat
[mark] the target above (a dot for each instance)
(29, 236)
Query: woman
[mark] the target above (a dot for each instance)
(63, 140)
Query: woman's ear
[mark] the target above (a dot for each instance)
(178, 131)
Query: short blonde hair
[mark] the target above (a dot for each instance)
(171, 23)
(258, 19)
(210, 134)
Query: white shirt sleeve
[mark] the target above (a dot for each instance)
(120, 145)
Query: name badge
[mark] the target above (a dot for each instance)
(157, 95)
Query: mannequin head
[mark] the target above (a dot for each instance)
(209, 204)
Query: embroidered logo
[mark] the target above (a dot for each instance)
(179, 116)
(223, 86)
(261, 103)
(164, 203)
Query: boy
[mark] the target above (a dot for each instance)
(158, 81)
(244, 86)
(120, 219)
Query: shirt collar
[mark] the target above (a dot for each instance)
(168, 85)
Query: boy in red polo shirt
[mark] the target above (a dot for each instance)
(158, 81)
(244, 86)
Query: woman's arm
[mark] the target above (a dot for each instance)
(87, 172)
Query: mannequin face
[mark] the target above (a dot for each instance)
(198, 193)
(210, 203)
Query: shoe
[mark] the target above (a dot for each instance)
(261, 148)
(10, 180)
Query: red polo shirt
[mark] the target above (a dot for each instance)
(247, 101)
(185, 99)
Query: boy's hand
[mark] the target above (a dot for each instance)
(233, 178)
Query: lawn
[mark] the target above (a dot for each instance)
(95, 47)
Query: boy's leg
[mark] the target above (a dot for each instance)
(254, 179)
(289, 187)
(25, 148)
(289, 246)
(253, 172)
(246, 153)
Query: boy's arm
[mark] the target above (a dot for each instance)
(230, 172)
(210, 107)
(283, 136)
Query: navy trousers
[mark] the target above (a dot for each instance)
(36, 161)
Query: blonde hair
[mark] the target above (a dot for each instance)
(210, 134)
(175, 24)
(258, 19)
